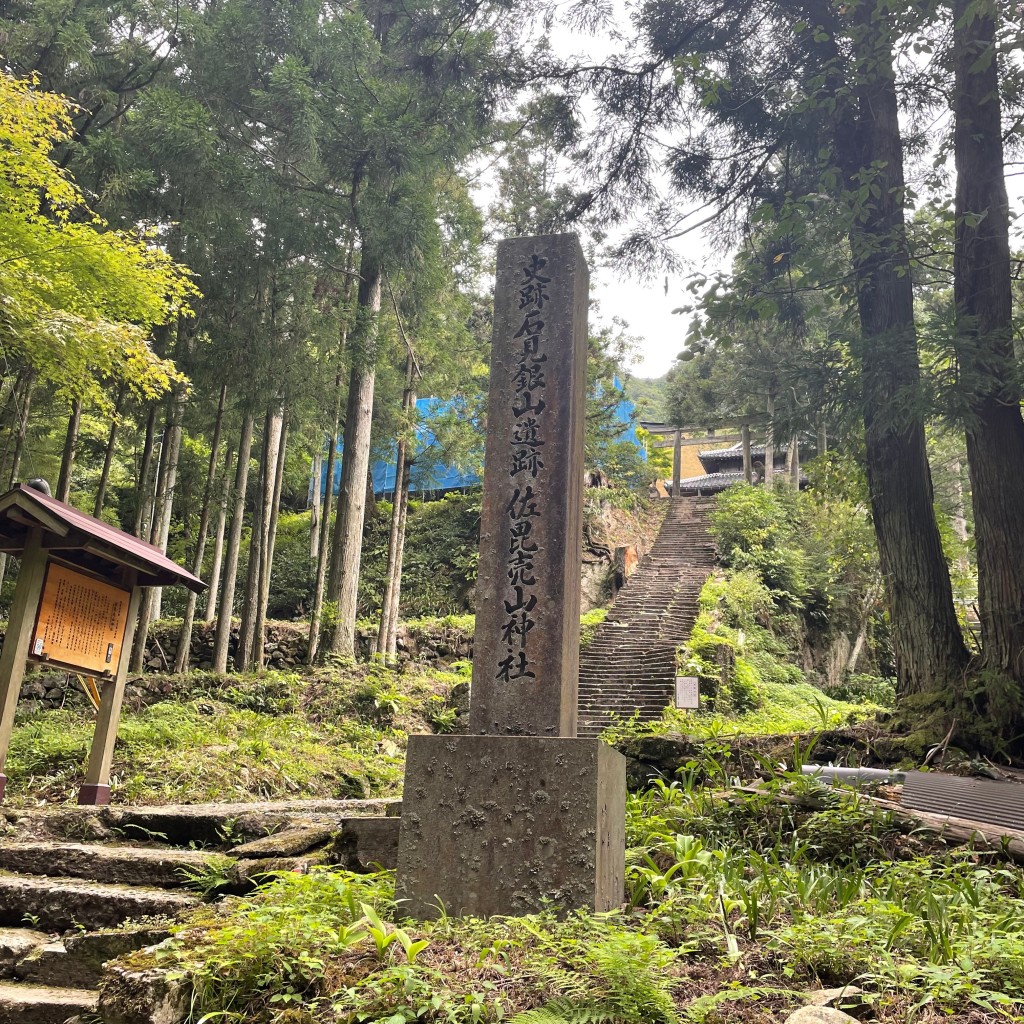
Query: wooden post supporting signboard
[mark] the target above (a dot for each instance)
(96, 789)
(16, 640)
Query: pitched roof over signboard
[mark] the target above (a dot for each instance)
(84, 541)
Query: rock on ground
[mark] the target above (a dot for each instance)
(820, 1015)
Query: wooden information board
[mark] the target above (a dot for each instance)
(81, 621)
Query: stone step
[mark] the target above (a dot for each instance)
(654, 701)
(619, 676)
(636, 665)
(610, 684)
(182, 824)
(126, 865)
(15, 945)
(621, 648)
(624, 694)
(654, 708)
(40, 1004)
(60, 904)
(620, 698)
(641, 714)
(638, 704)
(213, 823)
(629, 667)
(77, 960)
(52, 965)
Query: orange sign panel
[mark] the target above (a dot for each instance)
(81, 621)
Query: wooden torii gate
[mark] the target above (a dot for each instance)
(672, 436)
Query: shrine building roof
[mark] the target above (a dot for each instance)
(82, 540)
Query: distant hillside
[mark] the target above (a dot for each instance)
(648, 394)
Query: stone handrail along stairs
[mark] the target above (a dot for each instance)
(630, 665)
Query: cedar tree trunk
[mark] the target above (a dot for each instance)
(928, 645)
(185, 636)
(227, 599)
(984, 346)
(356, 456)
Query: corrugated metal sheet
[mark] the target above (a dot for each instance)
(999, 803)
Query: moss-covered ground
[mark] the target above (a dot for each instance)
(331, 733)
(326, 733)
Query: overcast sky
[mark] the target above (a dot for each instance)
(645, 305)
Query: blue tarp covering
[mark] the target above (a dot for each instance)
(430, 471)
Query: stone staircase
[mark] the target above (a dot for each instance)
(81, 886)
(630, 665)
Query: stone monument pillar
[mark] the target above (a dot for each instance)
(522, 813)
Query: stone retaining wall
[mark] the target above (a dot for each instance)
(439, 646)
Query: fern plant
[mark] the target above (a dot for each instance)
(624, 980)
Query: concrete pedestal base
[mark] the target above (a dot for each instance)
(509, 824)
(92, 794)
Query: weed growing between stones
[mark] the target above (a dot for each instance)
(589, 622)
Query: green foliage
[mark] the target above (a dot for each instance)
(802, 580)
(814, 550)
(251, 739)
(79, 298)
(441, 554)
(442, 551)
(328, 942)
(624, 465)
(781, 709)
(866, 689)
(752, 526)
(589, 621)
(624, 981)
(735, 646)
(834, 894)
(292, 576)
(735, 896)
(212, 877)
(648, 394)
(276, 946)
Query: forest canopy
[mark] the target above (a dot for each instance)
(317, 168)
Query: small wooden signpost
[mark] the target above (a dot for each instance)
(75, 607)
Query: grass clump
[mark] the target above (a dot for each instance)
(589, 621)
(334, 944)
(781, 709)
(826, 889)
